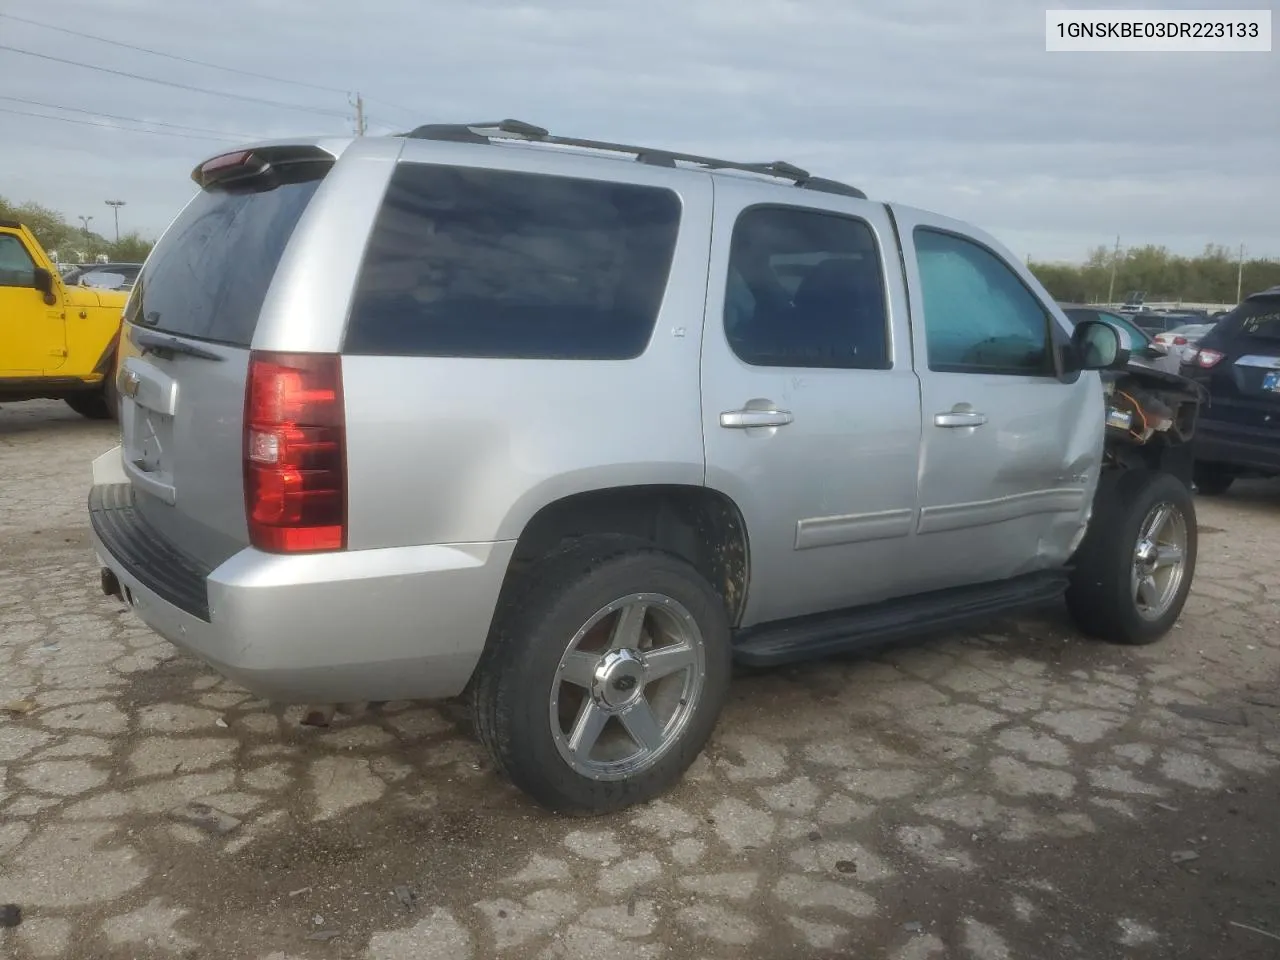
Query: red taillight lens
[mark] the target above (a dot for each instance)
(1179, 341)
(1208, 358)
(295, 477)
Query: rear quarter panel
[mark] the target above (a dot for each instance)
(447, 450)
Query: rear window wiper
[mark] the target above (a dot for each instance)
(149, 341)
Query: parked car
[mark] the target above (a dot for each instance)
(1144, 348)
(104, 276)
(1162, 322)
(1180, 342)
(57, 339)
(570, 432)
(1239, 362)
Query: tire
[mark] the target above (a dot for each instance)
(1213, 479)
(93, 405)
(1103, 597)
(525, 712)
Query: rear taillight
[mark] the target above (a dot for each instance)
(1207, 358)
(295, 477)
(1179, 341)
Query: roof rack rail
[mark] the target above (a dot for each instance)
(490, 131)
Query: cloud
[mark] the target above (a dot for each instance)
(955, 107)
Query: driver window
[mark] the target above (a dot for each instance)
(17, 269)
(978, 315)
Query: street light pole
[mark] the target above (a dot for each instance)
(115, 208)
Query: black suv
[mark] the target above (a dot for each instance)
(1238, 433)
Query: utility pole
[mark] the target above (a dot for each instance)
(1240, 275)
(84, 222)
(1111, 289)
(361, 126)
(115, 208)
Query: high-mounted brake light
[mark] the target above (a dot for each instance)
(228, 166)
(295, 475)
(1207, 358)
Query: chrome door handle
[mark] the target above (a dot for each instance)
(954, 419)
(742, 419)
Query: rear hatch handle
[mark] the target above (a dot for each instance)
(162, 345)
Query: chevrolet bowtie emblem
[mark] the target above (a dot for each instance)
(128, 382)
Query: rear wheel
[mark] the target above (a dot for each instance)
(1134, 569)
(604, 676)
(1213, 479)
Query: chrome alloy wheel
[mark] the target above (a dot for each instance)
(627, 686)
(1159, 560)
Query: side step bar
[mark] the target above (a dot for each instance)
(844, 631)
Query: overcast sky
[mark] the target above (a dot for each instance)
(955, 107)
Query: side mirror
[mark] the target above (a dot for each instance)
(43, 281)
(1100, 346)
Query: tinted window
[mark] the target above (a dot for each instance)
(210, 273)
(1257, 321)
(979, 317)
(805, 289)
(488, 263)
(17, 269)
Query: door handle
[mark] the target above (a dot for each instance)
(742, 419)
(958, 419)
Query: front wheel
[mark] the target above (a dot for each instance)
(604, 677)
(1134, 569)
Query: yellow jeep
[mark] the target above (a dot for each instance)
(56, 341)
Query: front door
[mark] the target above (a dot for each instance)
(1011, 450)
(31, 332)
(810, 406)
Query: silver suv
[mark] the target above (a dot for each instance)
(570, 427)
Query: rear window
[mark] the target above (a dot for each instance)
(1260, 319)
(1254, 321)
(489, 263)
(209, 275)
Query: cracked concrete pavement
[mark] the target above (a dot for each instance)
(1012, 791)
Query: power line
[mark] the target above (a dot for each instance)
(180, 86)
(112, 116)
(111, 126)
(413, 113)
(171, 56)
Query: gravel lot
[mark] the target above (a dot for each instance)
(1011, 792)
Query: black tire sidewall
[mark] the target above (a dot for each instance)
(1101, 595)
(531, 641)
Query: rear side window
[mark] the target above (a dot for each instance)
(490, 263)
(805, 289)
(209, 275)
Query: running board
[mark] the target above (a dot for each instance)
(844, 631)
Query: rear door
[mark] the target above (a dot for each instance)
(811, 411)
(190, 322)
(1011, 451)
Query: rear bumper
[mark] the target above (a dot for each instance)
(1248, 448)
(396, 624)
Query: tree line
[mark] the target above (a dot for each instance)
(1210, 277)
(73, 243)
